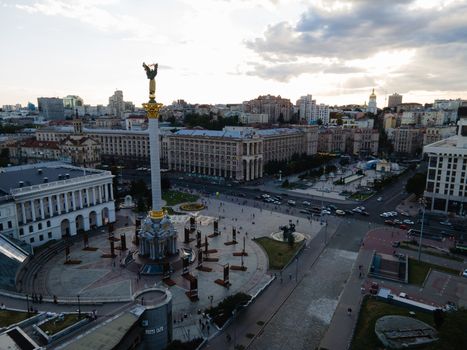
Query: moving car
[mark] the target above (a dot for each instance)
(379, 199)
(464, 274)
(445, 223)
(340, 212)
(306, 203)
(291, 202)
(325, 212)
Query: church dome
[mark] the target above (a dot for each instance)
(373, 94)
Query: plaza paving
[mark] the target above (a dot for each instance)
(97, 278)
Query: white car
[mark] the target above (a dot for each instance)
(384, 215)
(340, 212)
(357, 210)
(306, 203)
(445, 223)
(379, 199)
(408, 222)
(464, 274)
(393, 213)
(325, 212)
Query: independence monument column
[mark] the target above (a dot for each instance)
(152, 108)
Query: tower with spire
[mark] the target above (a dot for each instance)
(372, 103)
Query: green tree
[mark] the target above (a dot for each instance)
(339, 120)
(286, 183)
(416, 184)
(141, 205)
(291, 240)
(319, 121)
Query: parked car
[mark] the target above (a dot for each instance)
(304, 211)
(365, 213)
(403, 227)
(379, 199)
(374, 288)
(357, 210)
(396, 244)
(332, 206)
(291, 202)
(340, 212)
(306, 203)
(397, 222)
(445, 223)
(403, 213)
(409, 222)
(403, 295)
(325, 212)
(350, 212)
(464, 274)
(389, 222)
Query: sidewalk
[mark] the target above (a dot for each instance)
(340, 331)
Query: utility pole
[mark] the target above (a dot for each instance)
(423, 203)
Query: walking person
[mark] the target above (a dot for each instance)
(349, 311)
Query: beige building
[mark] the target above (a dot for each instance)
(364, 142)
(332, 140)
(437, 133)
(33, 151)
(389, 121)
(273, 106)
(408, 140)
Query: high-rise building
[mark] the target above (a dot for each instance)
(51, 108)
(321, 112)
(446, 189)
(116, 104)
(394, 100)
(306, 106)
(72, 101)
(277, 108)
(372, 103)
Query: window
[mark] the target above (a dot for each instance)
(31, 228)
(31, 240)
(49, 234)
(21, 231)
(39, 226)
(41, 237)
(48, 223)
(1, 227)
(10, 225)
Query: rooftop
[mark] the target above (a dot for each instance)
(34, 174)
(237, 134)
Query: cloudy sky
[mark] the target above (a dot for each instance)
(221, 51)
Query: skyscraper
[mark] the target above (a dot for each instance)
(394, 100)
(51, 108)
(306, 106)
(116, 104)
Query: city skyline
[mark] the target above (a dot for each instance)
(227, 52)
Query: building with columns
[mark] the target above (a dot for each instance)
(53, 200)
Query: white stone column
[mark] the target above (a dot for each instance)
(81, 206)
(88, 200)
(106, 192)
(33, 210)
(51, 210)
(59, 205)
(42, 208)
(23, 212)
(66, 201)
(99, 189)
(155, 163)
(73, 198)
(111, 193)
(94, 196)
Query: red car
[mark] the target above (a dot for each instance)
(403, 227)
(389, 222)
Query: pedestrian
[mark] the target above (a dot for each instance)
(360, 275)
(40, 298)
(349, 311)
(290, 276)
(3, 307)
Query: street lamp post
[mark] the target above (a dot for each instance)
(423, 203)
(296, 270)
(79, 307)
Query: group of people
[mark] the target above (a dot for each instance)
(36, 298)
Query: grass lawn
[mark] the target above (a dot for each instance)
(361, 196)
(279, 253)
(8, 317)
(176, 197)
(54, 326)
(372, 309)
(419, 269)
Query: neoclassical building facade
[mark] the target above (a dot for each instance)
(54, 200)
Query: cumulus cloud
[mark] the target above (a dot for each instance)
(356, 30)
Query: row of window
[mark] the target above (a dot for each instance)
(41, 237)
(31, 227)
(9, 224)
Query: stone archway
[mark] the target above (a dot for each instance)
(105, 216)
(79, 223)
(92, 219)
(65, 227)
